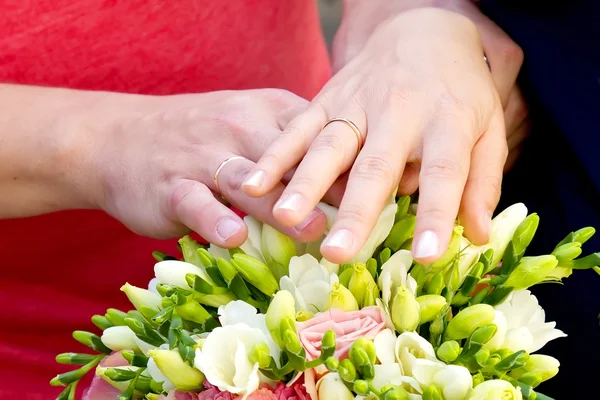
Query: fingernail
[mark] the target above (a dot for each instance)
(256, 179)
(227, 227)
(314, 214)
(342, 239)
(428, 245)
(291, 202)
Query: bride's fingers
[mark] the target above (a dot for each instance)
(285, 152)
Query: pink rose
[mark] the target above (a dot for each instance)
(348, 326)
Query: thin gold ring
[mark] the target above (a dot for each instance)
(352, 125)
(223, 164)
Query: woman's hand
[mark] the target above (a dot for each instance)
(425, 103)
(155, 159)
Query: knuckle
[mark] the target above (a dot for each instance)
(185, 191)
(443, 168)
(352, 214)
(374, 167)
(329, 143)
(432, 215)
(509, 51)
(234, 179)
(271, 161)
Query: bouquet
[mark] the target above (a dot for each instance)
(273, 320)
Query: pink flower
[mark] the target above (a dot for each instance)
(266, 392)
(100, 389)
(348, 326)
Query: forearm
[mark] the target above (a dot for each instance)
(41, 150)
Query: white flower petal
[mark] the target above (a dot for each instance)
(388, 374)
(518, 339)
(384, 346)
(253, 244)
(380, 232)
(157, 375)
(243, 366)
(218, 252)
(455, 381)
(315, 295)
(173, 272)
(424, 371)
(152, 285)
(409, 347)
(498, 339)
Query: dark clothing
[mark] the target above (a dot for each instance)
(558, 173)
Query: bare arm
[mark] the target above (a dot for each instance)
(40, 150)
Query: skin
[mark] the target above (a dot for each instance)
(150, 161)
(431, 114)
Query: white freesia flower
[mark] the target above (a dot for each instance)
(173, 272)
(331, 386)
(496, 389)
(382, 229)
(454, 381)
(156, 374)
(385, 344)
(521, 324)
(224, 355)
(119, 338)
(240, 312)
(394, 273)
(308, 282)
(503, 229)
(409, 347)
(152, 285)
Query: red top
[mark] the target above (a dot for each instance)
(58, 270)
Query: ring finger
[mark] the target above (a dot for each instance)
(329, 156)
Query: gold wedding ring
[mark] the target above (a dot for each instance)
(352, 125)
(223, 164)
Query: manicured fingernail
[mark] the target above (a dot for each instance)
(290, 202)
(342, 239)
(428, 245)
(227, 227)
(314, 214)
(256, 179)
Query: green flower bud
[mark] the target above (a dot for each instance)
(361, 387)
(255, 272)
(436, 284)
(278, 250)
(430, 306)
(91, 340)
(402, 230)
(361, 281)
(172, 366)
(292, 343)
(453, 278)
(567, 252)
(451, 253)
(207, 259)
(545, 366)
(341, 298)
(403, 204)
(583, 234)
(364, 345)
(531, 271)
(74, 358)
(116, 317)
(192, 311)
(481, 357)
(328, 345)
(532, 379)
(135, 359)
(504, 226)
(393, 392)
(261, 355)
(469, 319)
(347, 370)
(332, 364)
(282, 306)
(448, 351)
(117, 377)
(227, 270)
(214, 300)
(525, 232)
(406, 310)
(484, 334)
(101, 322)
(432, 392)
(478, 378)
